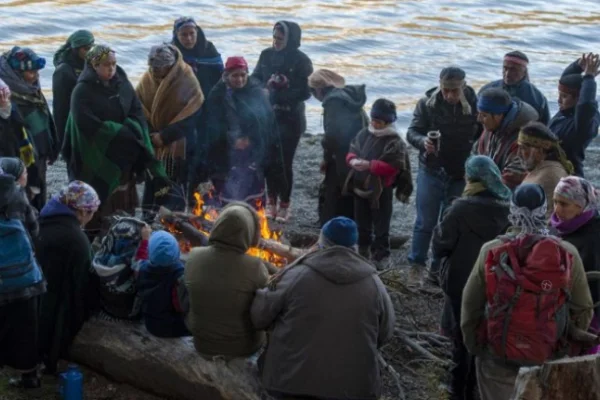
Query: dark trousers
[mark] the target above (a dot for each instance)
(291, 127)
(375, 221)
(37, 178)
(19, 334)
(463, 378)
(331, 202)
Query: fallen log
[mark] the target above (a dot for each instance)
(570, 378)
(168, 367)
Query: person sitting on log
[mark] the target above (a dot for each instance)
(171, 99)
(21, 284)
(526, 296)
(328, 313)
(160, 284)
(221, 280)
(543, 158)
(477, 217)
(377, 156)
(65, 256)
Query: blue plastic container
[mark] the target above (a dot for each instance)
(71, 384)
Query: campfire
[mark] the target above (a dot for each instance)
(194, 229)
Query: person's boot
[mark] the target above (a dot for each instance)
(28, 380)
(365, 251)
(271, 208)
(283, 214)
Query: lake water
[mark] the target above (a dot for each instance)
(396, 47)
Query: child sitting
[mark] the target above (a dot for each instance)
(160, 284)
(377, 156)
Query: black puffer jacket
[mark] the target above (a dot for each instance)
(458, 130)
(467, 225)
(343, 118)
(64, 80)
(587, 241)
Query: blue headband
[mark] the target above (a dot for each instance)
(389, 117)
(488, 105)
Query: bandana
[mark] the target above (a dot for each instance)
(79, 195)
(487, 105)
(98, 54)
(162, 56)
(516, 60)
(547, 145)
(77, 39)
(579, 191)
(25, 59)
(483, 170)
(182, 22)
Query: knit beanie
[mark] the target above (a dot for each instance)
(339, 231)
(25, 59)
(570, 84)
(530, 196)
(384, 110)
(494, 101)
(235, 63)
(12, 166)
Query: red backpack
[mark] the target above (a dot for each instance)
(527, 289)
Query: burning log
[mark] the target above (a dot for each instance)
(180, 224)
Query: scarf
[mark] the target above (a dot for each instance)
(173, 99)
(15, 81)
(473, 188)
(77, 39)
(567, 227)
(466, 107)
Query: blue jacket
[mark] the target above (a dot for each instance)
(576, 127)
(527, 92)
(158, 285)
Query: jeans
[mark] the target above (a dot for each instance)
(435, 190)
(377, 221)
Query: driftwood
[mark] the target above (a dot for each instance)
(168, 367)
(570, 378)
(182, 225)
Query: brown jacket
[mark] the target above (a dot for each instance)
(221, 280)
(329, 313)
(474, 297)
(547, 175)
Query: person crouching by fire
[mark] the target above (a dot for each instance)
(328, 314)
(221, 280)
(238, 144)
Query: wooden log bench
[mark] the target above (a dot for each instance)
(127, 353)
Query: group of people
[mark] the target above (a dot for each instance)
(499, 192)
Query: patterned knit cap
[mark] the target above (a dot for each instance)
(25, 59)
(98, 54)
(79, 195)
(528, 210)
(163, 55)
(579, 191)
(183, 21)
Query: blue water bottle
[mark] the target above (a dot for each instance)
(71, 384)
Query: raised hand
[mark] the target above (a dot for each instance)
(592, 65)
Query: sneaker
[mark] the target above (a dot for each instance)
(283, 215)
(271, 209)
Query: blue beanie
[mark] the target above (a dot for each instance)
(384, 110)
(340, 231)
(529, 195)
(163, 249)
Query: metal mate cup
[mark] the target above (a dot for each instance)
(435, 136)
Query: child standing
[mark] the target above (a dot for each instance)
(160, 284)
(377, 156)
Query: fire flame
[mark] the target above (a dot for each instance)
(210, 214)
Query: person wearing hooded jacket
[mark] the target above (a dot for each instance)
(343, 118)
(502, 119)
(160, 284)
(515, 81)
(19, 68)
(284, 70)
(65, 256)
(221, 280)
(480, 215)
(450, 109)
(577, 121)
(336, 295)
(240, 141)
(69, 61)
(198, 52)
